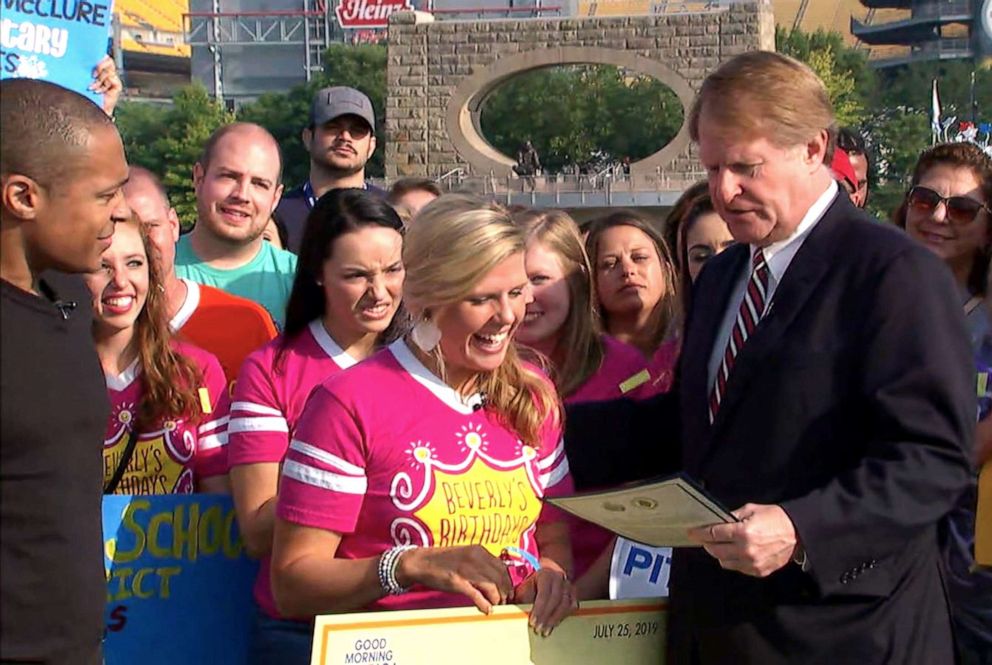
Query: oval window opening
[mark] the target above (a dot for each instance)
(580, 118)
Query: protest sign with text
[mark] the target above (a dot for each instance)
(178, 581)
(55, 40)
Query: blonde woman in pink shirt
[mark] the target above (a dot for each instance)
(414, 480)
(562, 324)
(344, 301)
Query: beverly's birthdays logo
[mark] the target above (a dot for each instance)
(475, 500)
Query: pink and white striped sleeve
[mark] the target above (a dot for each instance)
(258, 430)
(212, 435)
(553, 473)
(324, 478)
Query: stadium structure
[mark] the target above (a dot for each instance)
(931, 30)
(151, 46)
(240, 49)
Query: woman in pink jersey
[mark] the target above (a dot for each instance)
(563, 325)
(167, 431)
(348, 286)
(414, 480)
(636, 288)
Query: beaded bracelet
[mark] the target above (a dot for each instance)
(387, 569)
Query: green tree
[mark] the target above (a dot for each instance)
(620, 115)
(910, 87)
(897, 136)
(844, 70)
(168, 141)
(285, 115)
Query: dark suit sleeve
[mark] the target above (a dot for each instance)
(917, 377)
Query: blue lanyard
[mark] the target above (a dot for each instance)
(308, 195)
(311, 199)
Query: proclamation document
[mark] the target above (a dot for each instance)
(655, 512)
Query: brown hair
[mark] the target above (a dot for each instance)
(693, 204)
(579, 349)
(169, 379)
(959, 155)
(763, 93)
(668, 307)
(404, 186)
(456, 241)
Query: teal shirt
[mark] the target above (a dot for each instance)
(267, 279)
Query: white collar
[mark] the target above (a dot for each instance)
(778, 255)
(125, 378)
(408, 361)
(189, 305)
(330, 347)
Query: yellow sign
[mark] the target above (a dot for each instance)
(631, 632)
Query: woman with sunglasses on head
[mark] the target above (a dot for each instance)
(414, 480)
(949, 210)
(637, 291)
(345, 299)
(168, 425)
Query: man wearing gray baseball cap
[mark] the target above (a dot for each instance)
(340, 138)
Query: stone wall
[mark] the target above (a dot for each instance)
(440, 72)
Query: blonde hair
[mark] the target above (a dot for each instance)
(456, 241)
(766, 94)
(579, 345)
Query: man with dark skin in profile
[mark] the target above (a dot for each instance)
(63, 170)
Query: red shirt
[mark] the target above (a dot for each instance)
(225, 325)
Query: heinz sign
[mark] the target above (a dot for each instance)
(369, 13)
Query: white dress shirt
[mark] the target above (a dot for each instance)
(778, 256)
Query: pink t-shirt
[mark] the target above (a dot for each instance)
(623, 373)
(387, 454)
(268, 403)
(662, 369)
(174, 454)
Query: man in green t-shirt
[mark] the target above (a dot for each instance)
(237, 184)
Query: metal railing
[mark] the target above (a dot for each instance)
(604, 186)
(938, 8)
(955, 46)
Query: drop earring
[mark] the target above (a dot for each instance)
(426, 335)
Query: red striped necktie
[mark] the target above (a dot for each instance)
(752, 308)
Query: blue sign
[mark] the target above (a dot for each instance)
(639, 571)
(55, 40)
(178, 581)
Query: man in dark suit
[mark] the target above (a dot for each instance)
(826, 392)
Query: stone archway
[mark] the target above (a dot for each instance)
(464, 109)
(439, 73)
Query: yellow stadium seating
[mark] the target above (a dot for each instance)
(830, 15)
(153, 26)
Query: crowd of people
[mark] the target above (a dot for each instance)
(389, 383)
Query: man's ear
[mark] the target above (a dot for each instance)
(275, 201)
(198, 174)
(371, 146)
(22, 196)
(816, 150)
(306, 136)
(174, 225)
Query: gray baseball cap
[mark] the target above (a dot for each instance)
(331, 103)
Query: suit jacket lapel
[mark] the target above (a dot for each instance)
(799, 282)
(710, 302)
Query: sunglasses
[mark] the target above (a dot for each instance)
(960, 209)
